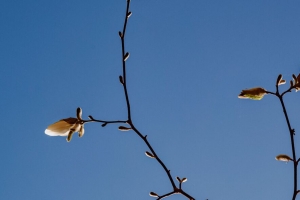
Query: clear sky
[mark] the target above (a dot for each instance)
(189, 61)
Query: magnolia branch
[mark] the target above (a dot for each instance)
(68, 126)
(257, 94)
(123, 81)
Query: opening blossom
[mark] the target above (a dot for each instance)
(253, 93)
(297, 82)
(67, 127)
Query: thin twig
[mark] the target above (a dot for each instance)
(291, 131)
(123, 80)
(103, 121)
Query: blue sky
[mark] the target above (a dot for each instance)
(189, 61)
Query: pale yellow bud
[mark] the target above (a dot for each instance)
(253, 93)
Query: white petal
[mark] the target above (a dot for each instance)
(51, 133)
(61, 128)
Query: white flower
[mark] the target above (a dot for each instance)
(66, 127)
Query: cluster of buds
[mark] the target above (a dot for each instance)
(296, 83)
(181, 180)
(258, 93)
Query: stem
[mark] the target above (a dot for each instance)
(124, 83)
(295, 162)
(155, 155)
(128, 103)
(124, 63)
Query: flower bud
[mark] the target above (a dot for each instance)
(279, 79)
(253, 93)
(283, 157)
(153, 194)
(150, 155)
(123, 128)
(126, 56)
(121, 80)
(297, 82)
(295, 78)
(281, 82)
(79, 113)
(120, 34)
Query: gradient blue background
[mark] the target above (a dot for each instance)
(189, 61)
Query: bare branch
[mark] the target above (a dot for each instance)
(123, 80)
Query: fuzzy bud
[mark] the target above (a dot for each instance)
(150, 155)
(126, 56)
(123, 128)
(283, 157)
(153, 194)
(121, 80)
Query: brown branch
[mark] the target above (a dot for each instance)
(291, 131)
(104, 122)
(177, 191)
(295, 162)
(123, 81)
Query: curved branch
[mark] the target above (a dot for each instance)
(123, 81)
(288, 90)
(292, 142)
(122, 36)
